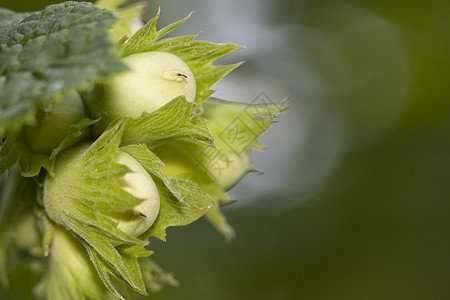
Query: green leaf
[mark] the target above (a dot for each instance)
(155, 278)
(104, 271)
(123, 266)
(171, 122)
(198, 55)
(173, 212)
(8, 16)
(218, 220)
(75, 131)
(191, 162)
(48, 53)
(99, 173)
(147, 36)
(236, 126)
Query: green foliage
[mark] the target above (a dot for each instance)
(8, 16)
(171, 122)
(75, 191)
(48, 53)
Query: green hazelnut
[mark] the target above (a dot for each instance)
(153, 79)
(58, 191)
(53, 124)
(140, 184)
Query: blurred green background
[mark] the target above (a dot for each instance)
(355, 199)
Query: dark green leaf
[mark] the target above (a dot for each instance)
(8, 16)
(48, 53)
(171, 122)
